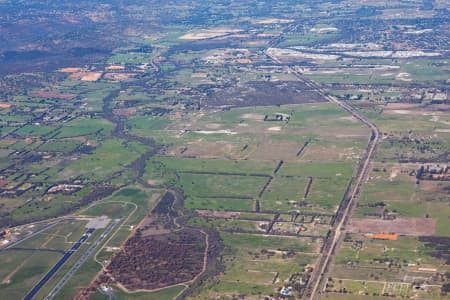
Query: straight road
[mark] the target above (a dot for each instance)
(344, 213)
(58, 265)
(319, 275)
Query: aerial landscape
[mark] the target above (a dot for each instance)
(225, 149)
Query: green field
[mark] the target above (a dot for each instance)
(211, 102)
(111, 156)
(23, 269)
(199, 185)
(217, 165)
(164, 294)
(250, 271)
(83, 127)
(219, 204)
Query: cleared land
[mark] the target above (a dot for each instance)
(401, 226)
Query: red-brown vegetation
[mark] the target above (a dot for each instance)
(151, 262)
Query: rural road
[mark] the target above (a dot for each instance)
(343, 216)
(344, 212)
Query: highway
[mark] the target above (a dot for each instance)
(58, 265)
(81, 260)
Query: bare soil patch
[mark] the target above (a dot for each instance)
(154, 182)
(125, 111)
(291, 55)
(257, 117)
(276, 150)
(199, 75)
(116, 67)
(351, 119)
(203, 149)
(416, 109)
(119, 76)
(5, 105)
(272, 21)
(76, 75)
(222, 131)
(52, 95)
(400, 226)
(70, 70)
(228, 55)
(218, 214)
(314, 152)
(149, 226)
(402, 106)
(91, 76)
(208, 33)
(243, 61)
